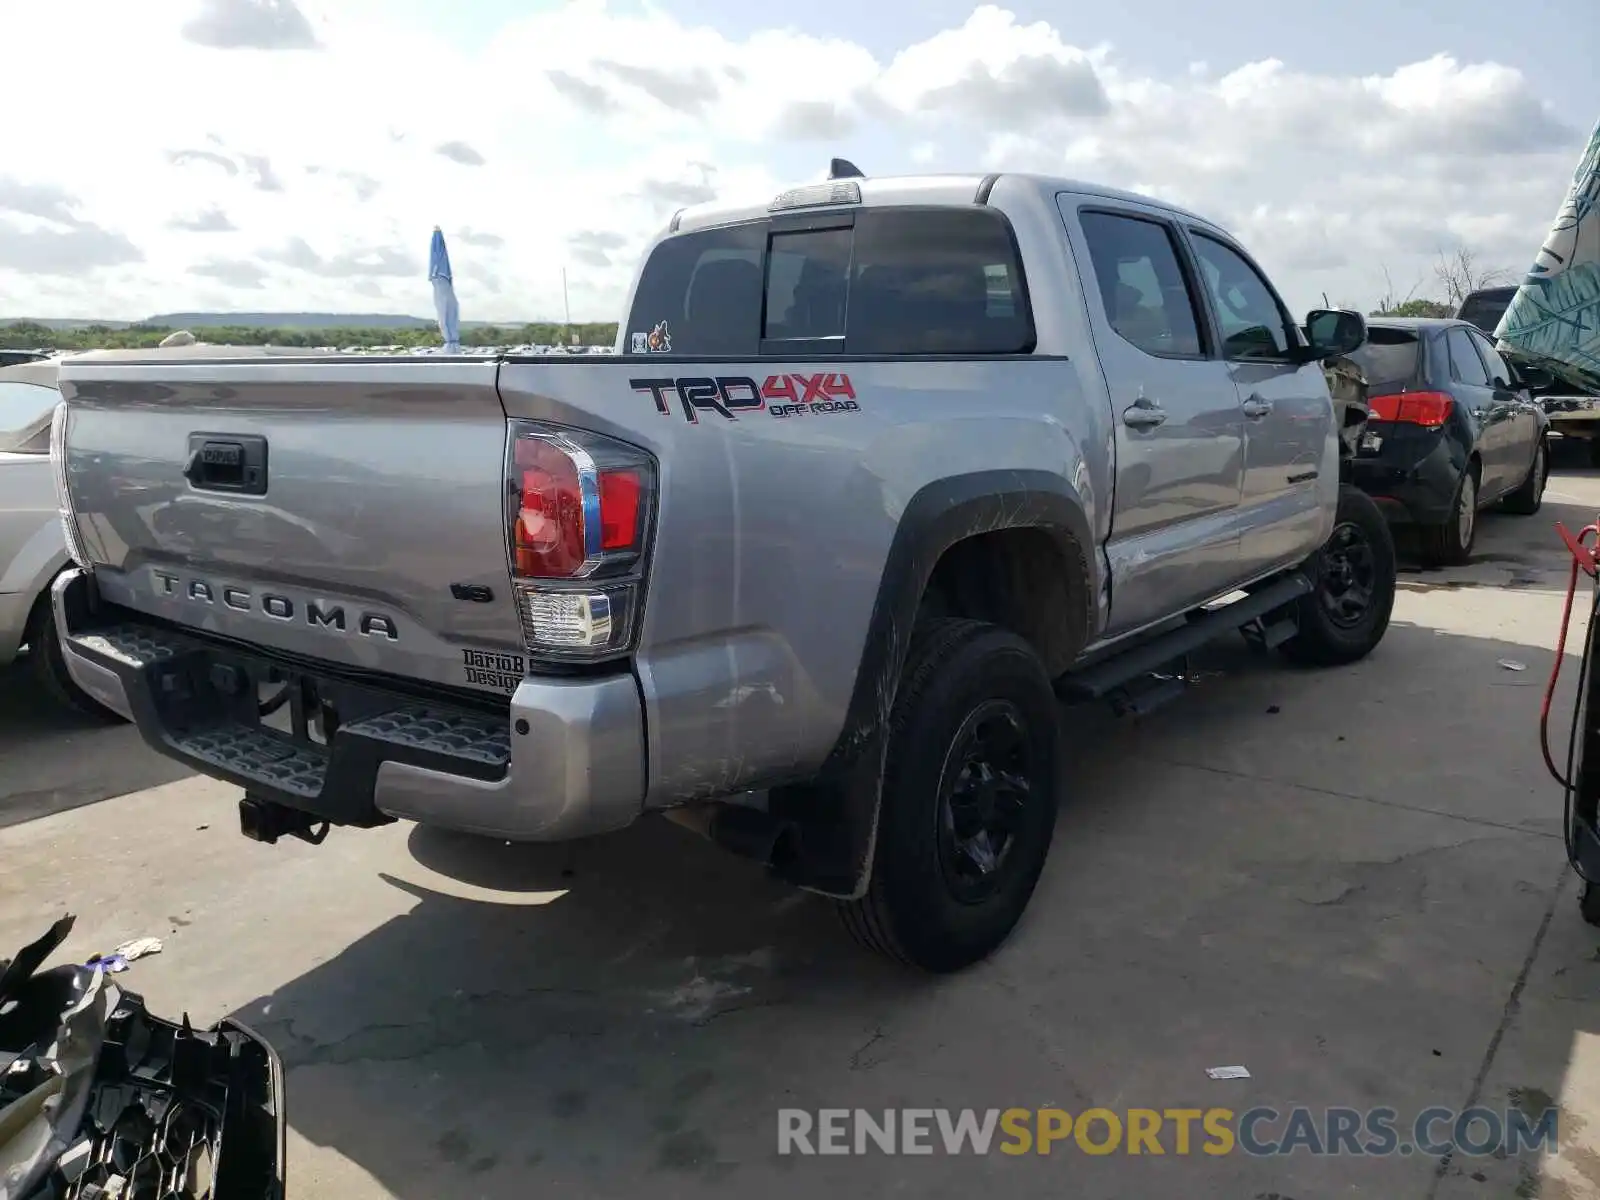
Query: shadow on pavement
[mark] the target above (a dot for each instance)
(53, 758)
(1235, 879)
(1501, 547)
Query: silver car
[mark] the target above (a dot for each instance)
(32, 548)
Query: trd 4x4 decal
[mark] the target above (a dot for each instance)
(732, 395)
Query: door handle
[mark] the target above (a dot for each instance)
(1143, 414)
(227, 463)
(1255, 408)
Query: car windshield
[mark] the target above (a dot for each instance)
(1388, 356)
(24, 407)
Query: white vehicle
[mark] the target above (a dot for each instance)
(32, 548)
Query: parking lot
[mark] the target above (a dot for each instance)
(1350, 882)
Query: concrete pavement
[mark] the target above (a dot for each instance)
(1351, 882)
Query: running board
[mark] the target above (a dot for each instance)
(1100, 680)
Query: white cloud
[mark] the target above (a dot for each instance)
(295, 154)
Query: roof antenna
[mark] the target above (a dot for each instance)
(843, 168)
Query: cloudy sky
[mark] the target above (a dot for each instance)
(271, 155)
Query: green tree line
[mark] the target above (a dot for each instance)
(1415, 308)
(30, 335)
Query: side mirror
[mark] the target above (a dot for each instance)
(1334, 331)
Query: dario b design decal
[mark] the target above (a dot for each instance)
(734, 396)
(486, 668)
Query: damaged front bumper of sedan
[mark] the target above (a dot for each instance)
(100, 1100)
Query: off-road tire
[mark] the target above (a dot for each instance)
(1442, 545)
(1525, 501)
(955, 669)
(1321, 639)
(49, 668)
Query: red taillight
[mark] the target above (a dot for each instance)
(579, 510)
(1427, 409)
(548, 534)
(620, 496)
(580, 503)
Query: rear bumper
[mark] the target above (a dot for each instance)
(564, 759)
(1420, 492)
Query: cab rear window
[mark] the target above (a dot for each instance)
(879, 281)
(1388, 357)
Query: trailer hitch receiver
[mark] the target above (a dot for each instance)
(266, 821)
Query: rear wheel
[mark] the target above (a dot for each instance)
(49, 667)
(968, 799)
(1449, 543)
(1352, 588)
(1525, 501)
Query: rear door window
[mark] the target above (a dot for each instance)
(1499, 372)
(1388, 358)
(1146, 298)
(1465, 365)
(877, 281)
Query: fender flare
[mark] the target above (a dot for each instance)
(836, 815)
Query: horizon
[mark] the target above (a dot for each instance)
(284, 320)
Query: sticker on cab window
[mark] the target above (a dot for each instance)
(659, 340)
(640, 342)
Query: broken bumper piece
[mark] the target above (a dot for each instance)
(100, 1100)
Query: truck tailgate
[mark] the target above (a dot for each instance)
(347, 511)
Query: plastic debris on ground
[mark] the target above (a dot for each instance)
(1228, 1072)
(99, 1100)
(1511, 664)
(130, 951)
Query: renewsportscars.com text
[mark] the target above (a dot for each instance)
(1259, 1132)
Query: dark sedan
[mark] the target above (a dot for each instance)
(1453, 431)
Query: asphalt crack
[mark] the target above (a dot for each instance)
(459, 1026)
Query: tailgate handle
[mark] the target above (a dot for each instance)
(227, 462)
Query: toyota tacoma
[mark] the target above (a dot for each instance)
(881, 471)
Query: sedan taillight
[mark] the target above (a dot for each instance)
(1427, 409)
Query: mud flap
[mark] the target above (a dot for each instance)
(835, 822)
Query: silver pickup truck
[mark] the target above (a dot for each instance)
(880, 470)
